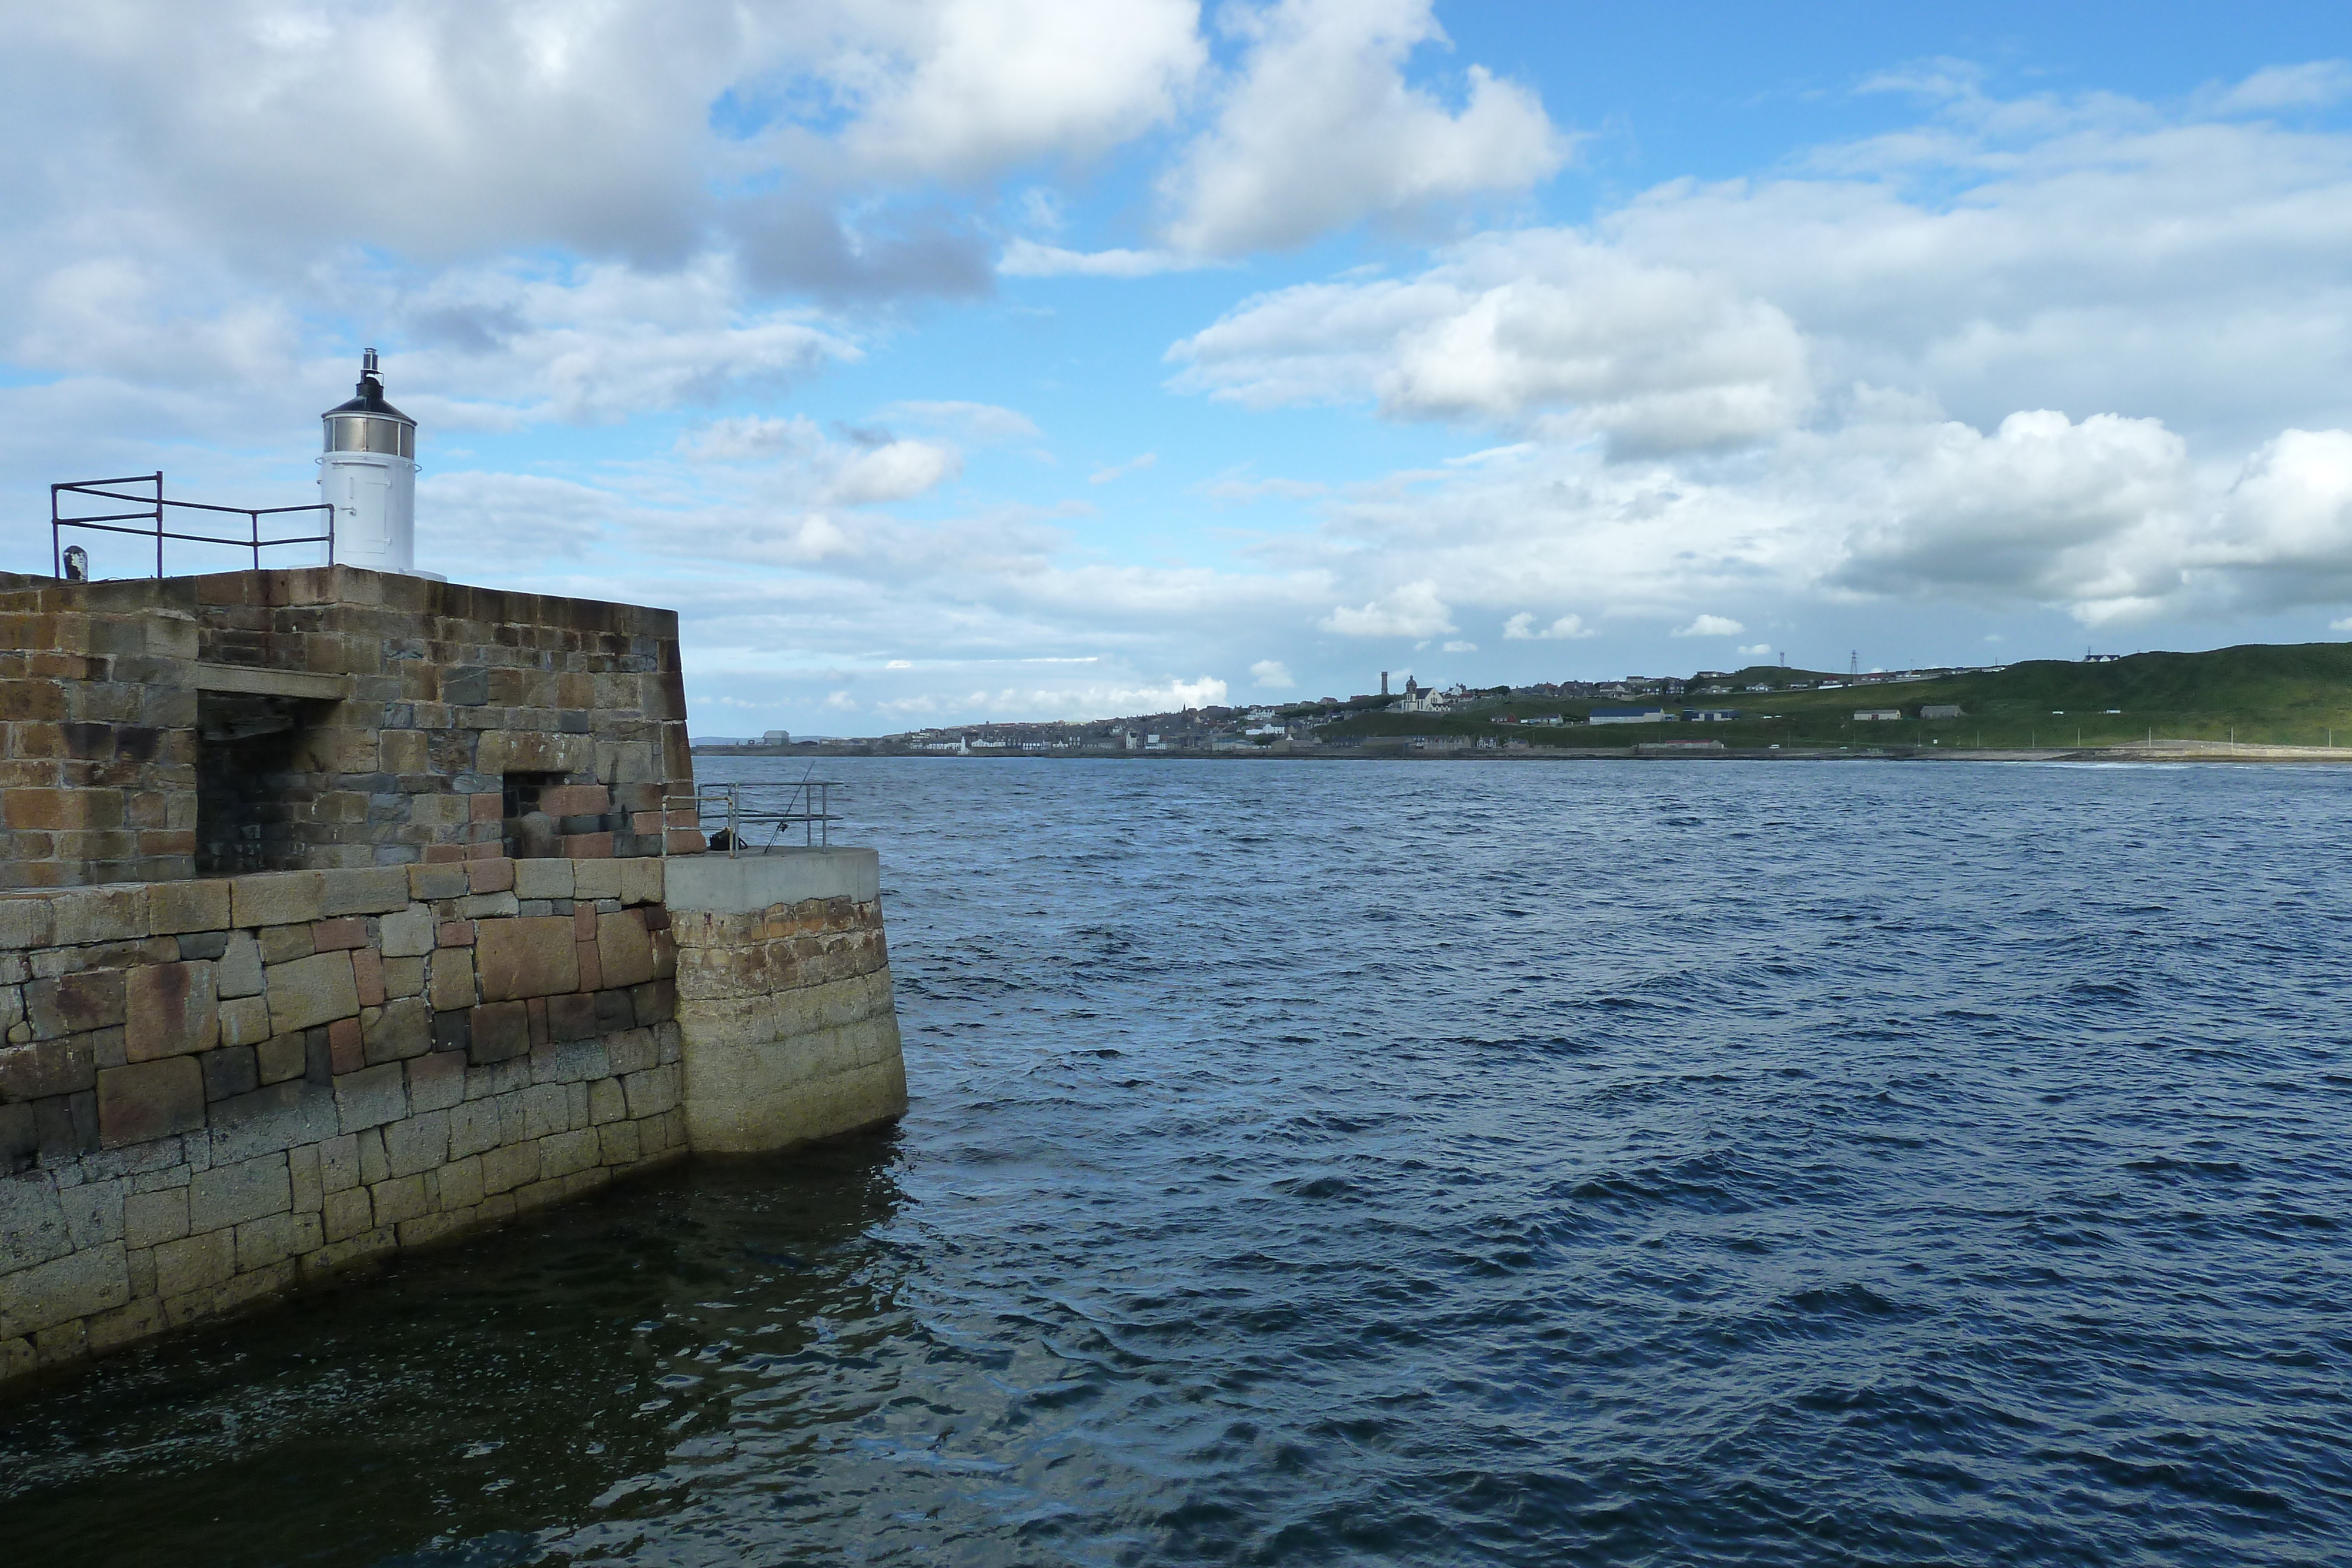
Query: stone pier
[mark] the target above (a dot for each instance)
(342, 912)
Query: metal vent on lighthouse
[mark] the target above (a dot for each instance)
(369, 475)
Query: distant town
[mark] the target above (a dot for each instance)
(1330, 720)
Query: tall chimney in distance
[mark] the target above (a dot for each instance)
(1384, 683)
(369, 476)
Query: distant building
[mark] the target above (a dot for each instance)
(1941, 710)
(1866, 715)
(776, 737)
(1631, 716)
(1418, 698)
(1710, 715)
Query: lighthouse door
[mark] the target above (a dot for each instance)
(365, 525)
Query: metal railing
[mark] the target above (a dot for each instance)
(757, 818)
(154, 513)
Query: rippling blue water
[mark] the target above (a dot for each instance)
(1412, 1164)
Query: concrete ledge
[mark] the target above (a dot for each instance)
(745, 884)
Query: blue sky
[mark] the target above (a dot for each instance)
(947, 359)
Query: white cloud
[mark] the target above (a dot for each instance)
(1027, 259)
(895, 471)
(1272, 675)
(1507, 328)
(2313, 85)
(1458, 647)
(974, 422)
(1411, 610)
(962, 90)
(1756, 651)
(1320, 129)
(1522, 628)
(1136, 464)
(899, 664)
(1711, 626)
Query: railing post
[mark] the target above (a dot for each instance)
(158, 522)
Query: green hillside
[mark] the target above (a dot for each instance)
(2294, 695)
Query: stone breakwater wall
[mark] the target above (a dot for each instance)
(214, 1091)
(783, 986)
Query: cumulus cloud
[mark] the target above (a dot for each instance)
(974, 422)
(1711, 626)
(1756, 651)
(872, 466)
(1411, 610)
(1320, 129)
(1272, 675)
(1522, 628)
(1460, 647)
(1508, 329)
(1027, 259)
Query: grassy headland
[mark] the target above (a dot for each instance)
(2292, 695)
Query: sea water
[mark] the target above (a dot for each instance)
(1407, 1163)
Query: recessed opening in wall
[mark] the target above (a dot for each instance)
(529, 832)
(250, 795)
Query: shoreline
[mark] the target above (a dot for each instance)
(2164, 752)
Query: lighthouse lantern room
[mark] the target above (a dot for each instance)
(369, 475)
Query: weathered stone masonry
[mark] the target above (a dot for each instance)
(474, 961)
(214, 1089)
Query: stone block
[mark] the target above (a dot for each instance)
(404, 977)
(372, 1096)
(150, 1100)
(339, 1163)
(450, 984)
(399, 1197)
(347, 1212)
(458, 1183)
(302, 1170)
(607, 1102)
(546, 1110)
(407, 932)
(549, 878)
(338, 935)
(367, 976)
(284, 943)
(526, 957)
(25, 921)
(506, 1168)
(617, 1144)
(233, 1194)
(309, 991)
(239, 971)
(365, 889)
(278, 1117)
(150, 1218)
(177, 906)
(346, 1046)
(572, 1018)
(32, 1223)
(488, 906)
(82, 915)
(596, 879)
(245, 1020)
(74, 1286)
(496, 875)
(20, 1139)
(262, 1243)
(94, 1210)
(625, 952)
(201, 944)
(632, 1050)
(436, 1081)
(74, 1004)
(653, 1002)
(280, 1057)
(641, 880)
(397, 1031)
(572, 1061)
(473, 1128)
(196, 1263)
(416, 1144)
(430, 882)
(278, 898)
(48, 1067)
(168, 1010)
(560, 1153)
(500, 1030)
(228, 1072)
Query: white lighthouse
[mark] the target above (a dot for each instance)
(369, 476)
